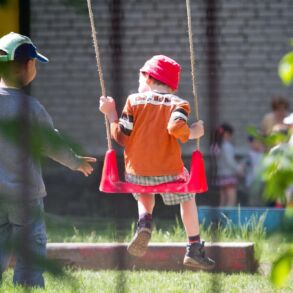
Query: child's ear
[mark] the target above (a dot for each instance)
(149, 80)
(30, 63)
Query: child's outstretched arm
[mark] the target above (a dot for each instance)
(85, 166)
(67, 157)
(63, 154)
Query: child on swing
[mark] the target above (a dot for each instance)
(152, 122)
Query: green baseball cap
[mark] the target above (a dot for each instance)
(18, 47)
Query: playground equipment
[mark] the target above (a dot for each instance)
(110, 181)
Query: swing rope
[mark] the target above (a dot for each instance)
(99, 68)
(192, 63)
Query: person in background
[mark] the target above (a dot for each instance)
(281, 144)
(280, 107)
(252, 163)
(228, 169)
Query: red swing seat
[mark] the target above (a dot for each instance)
(110, 181)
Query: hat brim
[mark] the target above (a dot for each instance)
(42, 58)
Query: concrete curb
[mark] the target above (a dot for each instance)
(230, 257)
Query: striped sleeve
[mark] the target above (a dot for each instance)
(179, 114)
(122, 129)
(126, 123)
(177, 125)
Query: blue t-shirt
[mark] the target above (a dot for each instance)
(12, 157)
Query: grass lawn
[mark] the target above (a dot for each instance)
(152, 281)
(59, 229)
(75, 229)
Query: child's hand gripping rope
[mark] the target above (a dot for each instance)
(196, 130)
(108, 107)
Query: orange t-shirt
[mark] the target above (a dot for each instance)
(149, 128)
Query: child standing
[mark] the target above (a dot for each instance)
(227, 167)
(252, 163)
(152, 122)
(18, 57)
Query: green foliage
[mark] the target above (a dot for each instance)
(269, 140)
(281, 268)
(251, 130)
(3, 2)
(286, 67)
(276, 168)
(252, 230)
(278, 175)
(41, 138)
(278, 172)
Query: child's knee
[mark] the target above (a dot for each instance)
(144, 197)
(39, 241)
(189, 202)
(146, 201)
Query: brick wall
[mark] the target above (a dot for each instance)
(238, 46)
(250, 37)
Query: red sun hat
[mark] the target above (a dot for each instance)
(164, 69)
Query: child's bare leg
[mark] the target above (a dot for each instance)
(189, 217)
(145, 204)
(231, 195)
(139, 244)
(223, 196)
